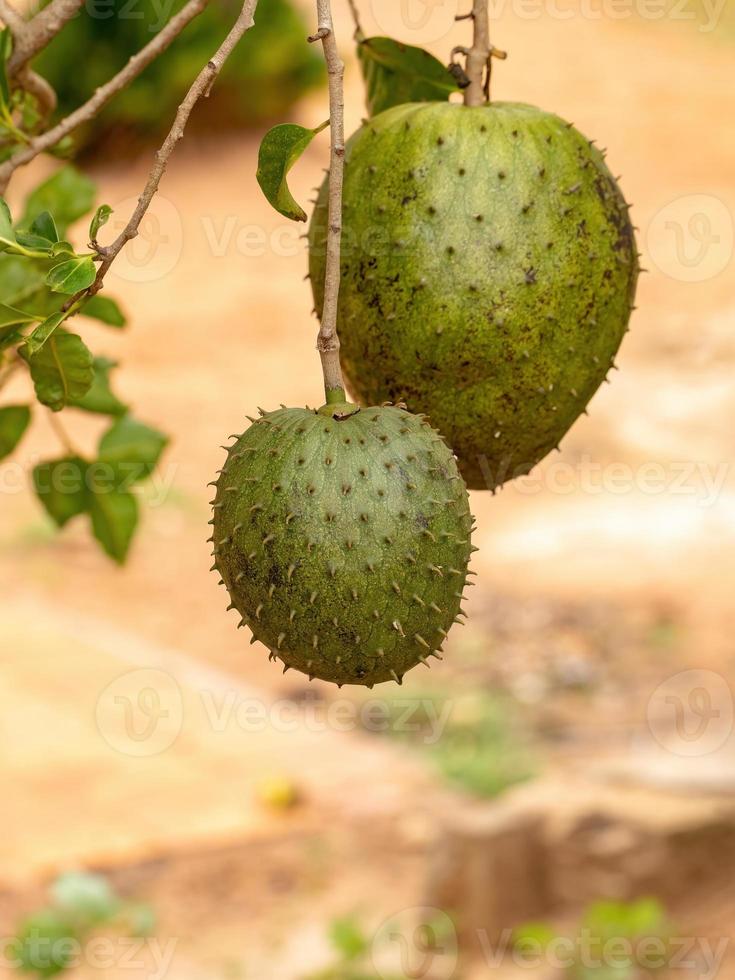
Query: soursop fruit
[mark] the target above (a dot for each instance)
(488, 275)
(343, 538)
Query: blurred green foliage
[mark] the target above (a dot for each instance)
(268, 71)
(615, 941)
(472, 738)
(44, 282)
(352, 948)
(50, 940)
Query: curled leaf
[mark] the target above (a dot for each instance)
(397, 73)
(281, 148)
(101, 217)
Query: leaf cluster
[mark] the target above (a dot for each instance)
(44, 282)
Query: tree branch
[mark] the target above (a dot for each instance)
(104, 93)
(40, 90)
(479, 55)
(40, 30)
(328, 340)
(12, 19)
(201, 87)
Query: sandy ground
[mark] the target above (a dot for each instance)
(637, 512)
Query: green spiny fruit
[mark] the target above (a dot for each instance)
(343, 539)
(488, 275)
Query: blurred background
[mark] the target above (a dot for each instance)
(557, 797)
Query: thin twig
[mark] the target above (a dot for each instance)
(200, 88)
(41, 30)
(356, 18)
(328, 340)
(479, 56)
(104, 93)
(40, 89)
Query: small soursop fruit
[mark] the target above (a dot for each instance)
(488, 274)
(343, 538)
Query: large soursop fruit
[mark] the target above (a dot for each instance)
(488, 274)
(343, 538)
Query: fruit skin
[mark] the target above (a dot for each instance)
(488, 275)
(343, 539)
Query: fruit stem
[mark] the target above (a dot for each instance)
(359, 33)
(328, 340)
(336, 396)
(478, 60)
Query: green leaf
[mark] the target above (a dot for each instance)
(7, 233)
(61, 486)
(10, 337)
(9, 316)
(101, 217)
(36, 340)
(131, 448)
(6, 45)
(397, 73)
(62, 370)
(67, 196)
(30, 116)
(72, 276)
(29, 240)
(62, 248)
(42, 303)
(279, 151)
(45, 227)
(14, 420)
(105, 310)
(114, 519)
(100, 398)
(20, 279)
